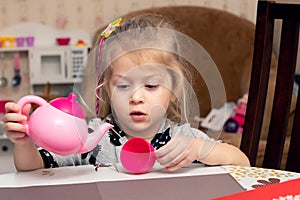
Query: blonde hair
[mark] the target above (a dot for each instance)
(165, 44)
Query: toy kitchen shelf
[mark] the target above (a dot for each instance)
(15, 49)
(48, 62)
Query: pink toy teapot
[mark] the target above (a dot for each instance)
(60, 127)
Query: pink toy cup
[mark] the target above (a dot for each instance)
(137, 156)
(20, 41)
(30, 41)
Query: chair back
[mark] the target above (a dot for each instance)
(267, 13)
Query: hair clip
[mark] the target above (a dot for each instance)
(104, 35)
(111, 27)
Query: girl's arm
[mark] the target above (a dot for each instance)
(212, 153)
(27, 157)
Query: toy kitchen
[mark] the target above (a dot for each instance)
(37, 59)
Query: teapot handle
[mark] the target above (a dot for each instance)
(30, 99)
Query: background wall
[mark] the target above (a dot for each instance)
(92, 14)
(87, 15)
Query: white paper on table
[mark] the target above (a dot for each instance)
(88, 174)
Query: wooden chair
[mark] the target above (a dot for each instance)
(267, 13)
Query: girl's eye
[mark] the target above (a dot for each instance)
(123, 86)
(151, 86)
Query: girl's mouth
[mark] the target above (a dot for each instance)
(137, 116)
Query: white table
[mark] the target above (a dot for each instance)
(83, 182)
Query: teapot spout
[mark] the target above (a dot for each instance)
(94, 138)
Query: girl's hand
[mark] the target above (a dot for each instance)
(180, 151)
(14, 129)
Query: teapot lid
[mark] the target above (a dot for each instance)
(68, 105)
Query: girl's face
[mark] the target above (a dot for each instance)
(140, 92)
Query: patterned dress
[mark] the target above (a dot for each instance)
(108, 149)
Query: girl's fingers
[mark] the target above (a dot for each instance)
(15, 108)
(15, 132)
(165, 150)
(181, 159)
(171, 157)
(26, 109)
(19, 138)
(14, 117)
(13, 122)
(11, 107)
(184, 162)
(14, 127)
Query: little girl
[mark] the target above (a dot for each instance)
(141, 90)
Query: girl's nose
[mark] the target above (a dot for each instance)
(137, 96)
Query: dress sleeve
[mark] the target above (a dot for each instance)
(52, 160)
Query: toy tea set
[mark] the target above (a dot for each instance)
(60, 127)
